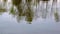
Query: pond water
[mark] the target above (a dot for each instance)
(9, 25)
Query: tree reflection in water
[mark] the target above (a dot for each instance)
(56, 16)
(25, 9)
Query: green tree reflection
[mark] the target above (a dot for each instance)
(2, 9)
(56, 16)
(25, 9)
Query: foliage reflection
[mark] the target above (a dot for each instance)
(25, 9)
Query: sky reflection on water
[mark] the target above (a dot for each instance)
(9, 25)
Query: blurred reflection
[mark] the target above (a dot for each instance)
(25, 10)
(56, 16)
(2, 9)
(29, 15)
(29, 23)
(4, 0)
